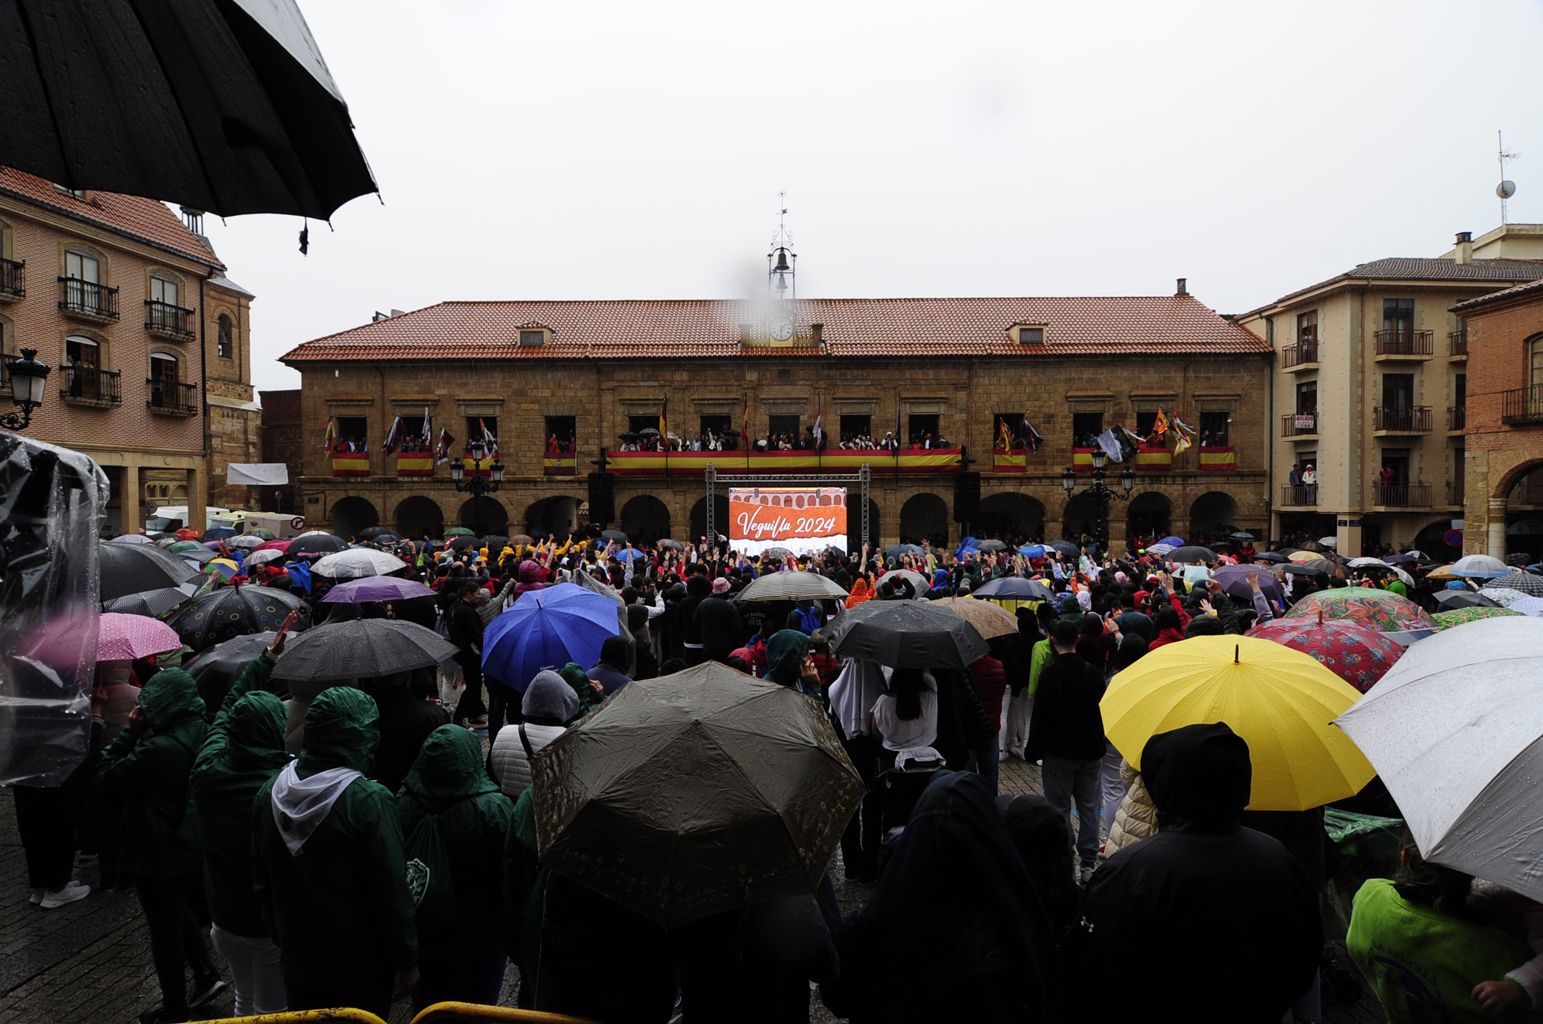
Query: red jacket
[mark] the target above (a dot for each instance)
(1166, 636)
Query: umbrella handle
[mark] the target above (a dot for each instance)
(1235, 651)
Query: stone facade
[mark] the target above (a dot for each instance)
(281, 442)
(235, 420)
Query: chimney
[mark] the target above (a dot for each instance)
(1183, 289)
(1464, 252)
(193, 220)
(818, 332)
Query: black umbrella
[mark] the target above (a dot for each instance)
(1450, 599)
(495, 543)
(673, 545)
(1270, 556)
(153, 603)
(462, 543)
(222, 106)
(373, 532)
(135, 568)
(628, 436)
(616, 535)
(991, 545)
(217, 667)
(1317, 567)
(235, 611)
(1192, 553)
(1242, 535)
(315, 543)
(906, 634)
(648, 432)
(775, 552)
(358, 649)
(1065, 547)
(1014, 588)
(896, 550)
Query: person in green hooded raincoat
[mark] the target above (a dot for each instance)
(330, 875)
(148, 766)
(460, 923)
(242, 753)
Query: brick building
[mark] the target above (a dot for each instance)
(147, 337)
(1503, 474)
(952, 369)
(282, 441)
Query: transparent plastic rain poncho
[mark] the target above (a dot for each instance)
(51, 506)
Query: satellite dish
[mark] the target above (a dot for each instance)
(1506, 189)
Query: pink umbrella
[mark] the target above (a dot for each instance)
(273, 545)
(122, 637)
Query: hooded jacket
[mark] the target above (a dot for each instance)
(340, 908)
(720, 625)
(1206, 911)
(150, 772)
(548, 704)
(243, 752)
(528, 577)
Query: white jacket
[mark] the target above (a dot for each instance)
(511, 765)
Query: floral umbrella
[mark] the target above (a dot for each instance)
(1458, 616)
(1380, 610)
(1357, 654)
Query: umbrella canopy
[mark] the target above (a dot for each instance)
(1304, 555)
(695, 793)
(1192, 553)
(1163, 550)
(778, 553)
(376, 588)
(791, 586)
(616, 535)
(263, 557)
(126, 569)
(1065, 547)
(1032, 551)
(906, 634)
(260, 534)
(356, 563)
(1381, 610)
(1480, 567)
(121, 637)
(1270, 556)
(359, 649)
(1358, 655)
(245, 540)
(1014, 588)
(1279, 700)
(371, 532)
(1455, 730)
(1234, 581)
(132, 538)
(1368, 563)
(896, 550)
(1242, 535)
(992, 545)
(672, 545)
(918, 582)
(234, 611)
(1172, 542)
(225, 107)
(1452, 599)
(282, 545)
(1457, 616)
(459, 531)
(225, 567)
(546, 629)
(1329, 542)
(525, 538)
(153, 603)
(314, 543)
(989, 620)
(1318, 568)
(216, 668)
(1528, 583)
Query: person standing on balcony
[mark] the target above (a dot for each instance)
(1310, 481)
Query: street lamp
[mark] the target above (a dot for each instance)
(479, 485)
(1099, 493)
(27, 377)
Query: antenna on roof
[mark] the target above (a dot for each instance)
(1507, 188)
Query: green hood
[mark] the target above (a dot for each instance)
(256, 732)
(340, 732)
(449, 768)
(169, 697)
(785, 656)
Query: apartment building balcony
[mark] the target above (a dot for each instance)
(1457, 418)
(88, 386)
(1406, 495)
(171, 398)
(1299, 424)
(1401, 419)
(1457, 345)
(87, 300)
(1455, 490)
(1403, 344)
(164, 320)
(1298, 495)
(1522, 405)
(1303, 355)
(13, 280)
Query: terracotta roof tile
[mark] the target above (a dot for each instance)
(852, 328)
(144, 220)
(1423, 268)
(1504, 295)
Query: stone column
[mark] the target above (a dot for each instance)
(130, 501)
(198, 495)
(1495, 542)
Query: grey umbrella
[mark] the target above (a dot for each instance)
(791, 586)
(1014, 588)
(358, 649)
(991, 545)
(1065, 547)
(1450, 599)
(906, 634)
(1192, 553)
(1528, 583)
(135, 568)
(153, 603)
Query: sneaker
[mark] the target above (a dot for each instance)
(205, 989)
(37, 896)
(69, 894)
(1085, 875)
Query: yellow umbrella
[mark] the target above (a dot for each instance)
(1441, 572)
(988, 619)
(1279, 700)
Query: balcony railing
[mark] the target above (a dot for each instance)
(171, 398)
(1300, 354)
(88, 299)
(13, 279)
(1457, 417)
(1457, 344)
(1299, 494)
(86, 385)
(1413, 495)
(168, 321)
(1522, 405)
(1298, 424)
(1404, 419)
(1455, 490)
(1404, 342)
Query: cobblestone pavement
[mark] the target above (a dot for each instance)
(89, 962)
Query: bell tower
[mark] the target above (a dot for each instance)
(782, 261)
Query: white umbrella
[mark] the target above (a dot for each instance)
(1480, 567)
(1160, 549)
(356, 563)
(1455, 730)
(264, 557)
(1329, 542)
(791, 586)
(1362, 563)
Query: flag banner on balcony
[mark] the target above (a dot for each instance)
(471, 466)
(350, 463)
(415, 464)
(1154, 459)
(1219, 460)
(560, 465)
(1010, 461)
(916, 460)
(1082, 460)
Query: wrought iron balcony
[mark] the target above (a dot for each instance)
(1303, 353)
(168, 321)
(13, 279)
(86, 385)
(1410, 495)
(171, 398)
(1402, 419)
(1457, 417)
(1299, 494)
(1455, 490)
(1403, 343)
(1457, 344)
(88, 300)
(1299, 424)
(1522, 405)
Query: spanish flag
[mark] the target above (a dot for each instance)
(664, 410)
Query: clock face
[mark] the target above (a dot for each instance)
(780, 327)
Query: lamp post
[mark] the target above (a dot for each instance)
(479, 484)
(1099, 493)
(27, 377)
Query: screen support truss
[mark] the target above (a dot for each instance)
(862, 479)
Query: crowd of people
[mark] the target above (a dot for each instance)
(284, 828)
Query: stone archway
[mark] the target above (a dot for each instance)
(484, 516)
(1149, 514)
(1011, 515)
(418, 517)
(645, 519)
(699, 518)
(557, 516)
(1079, 519)
(352, 514)
(924, 516)
(1212, 516)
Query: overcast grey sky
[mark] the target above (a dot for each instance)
(610, 149)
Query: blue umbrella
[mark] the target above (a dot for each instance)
(628, 554)
(547, 629)
(966, 546)
(1032, 551)
(1177, 542)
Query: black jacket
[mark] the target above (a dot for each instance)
(720, 626)
(1066, 721)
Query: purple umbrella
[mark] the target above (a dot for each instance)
(1234, 581)
(376, 588)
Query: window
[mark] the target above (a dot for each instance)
(1535, 363)
(223, 343)
(1460, 392)
(483, 429)
(856, 427)
(1307, 327)
(1013, 424)
(410, 436)
(1031, 335)
(561, 434)
(1215, 429)
(1086, 426)
(1397, 390)
(782, 427)
(163, 368)
(1307, 396)
(532, 338)
(165, 291)
(1398, 316)
(78, 193)
(647, 421)
(1145, 421)
(353, 434)
(83, 352)
(922, 428)
(717, 425)
(80, 266)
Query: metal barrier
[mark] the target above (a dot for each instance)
(477, 1011)
(341, 1013)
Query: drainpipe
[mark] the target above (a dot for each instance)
(1269, 433)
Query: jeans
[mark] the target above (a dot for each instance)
(987, 766)
(1111, 783)
(470, 704)
(1066, 781)
(176, 937)
(254, 970)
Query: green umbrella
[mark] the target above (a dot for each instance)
(695, 793)
(1458, 616)
(459, 531)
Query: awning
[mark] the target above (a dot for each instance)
(262, 474)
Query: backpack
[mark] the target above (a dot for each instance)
(808, 620)
(429, 879)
